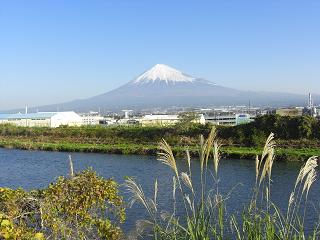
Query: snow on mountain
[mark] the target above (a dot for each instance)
(162, 72)
(164, 86)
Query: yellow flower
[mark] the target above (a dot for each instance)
(39, 236)
(5, 223)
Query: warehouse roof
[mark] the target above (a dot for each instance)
(160, 117)
(40, 115)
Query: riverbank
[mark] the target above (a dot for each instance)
(242, 141)
(282, 154)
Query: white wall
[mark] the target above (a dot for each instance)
(91, 120)
(27, 122)
(66, 118)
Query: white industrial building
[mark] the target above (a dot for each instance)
(92, 119)
(42, 119)
(230, 119)
(163, 120)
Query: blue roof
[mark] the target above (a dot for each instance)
(42, 115)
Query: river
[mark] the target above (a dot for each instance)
(36, 169)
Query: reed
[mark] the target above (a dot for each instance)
(205, 216)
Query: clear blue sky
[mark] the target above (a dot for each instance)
(54, 51)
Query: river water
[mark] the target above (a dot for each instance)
(36, 169)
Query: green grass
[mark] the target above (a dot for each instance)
(284, 154)
(236, 141)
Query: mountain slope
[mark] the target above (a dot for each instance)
(163, 86)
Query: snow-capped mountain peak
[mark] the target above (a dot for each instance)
(162, 72)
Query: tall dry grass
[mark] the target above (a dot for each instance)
(204, 208)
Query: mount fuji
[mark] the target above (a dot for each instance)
(164, 86)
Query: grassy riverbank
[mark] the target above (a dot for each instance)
(283, 154)
(297, 138)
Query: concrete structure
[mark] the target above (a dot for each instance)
(126, 113)
(229, 119)
(311, 109)
(128, 121)
(243, 118)
(92, 119)
(42, 119)
(290, 112)
(164, 120)
(310, 101)
(108, 121)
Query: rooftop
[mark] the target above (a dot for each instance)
(41, 115)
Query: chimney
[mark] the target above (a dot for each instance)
(310, 103)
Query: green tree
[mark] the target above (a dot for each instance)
(305, 127)
(316, 130)
(187, 119)
(84, 206)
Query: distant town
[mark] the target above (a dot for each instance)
(224, 115)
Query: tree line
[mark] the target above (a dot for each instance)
(284, 128)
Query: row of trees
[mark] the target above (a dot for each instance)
(285, 128)
(112, 134)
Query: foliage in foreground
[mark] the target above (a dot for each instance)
(83, 206)
(204, 213)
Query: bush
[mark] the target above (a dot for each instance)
(84, 206)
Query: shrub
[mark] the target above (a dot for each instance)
(83, 206)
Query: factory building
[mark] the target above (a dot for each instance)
(164, 120)
(42, 119)
(311, 109)
(289, 112)
(92, 119)
(159, 120)
(229, 119)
